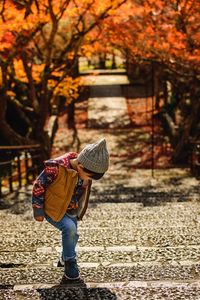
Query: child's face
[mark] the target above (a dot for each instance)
(82, 174)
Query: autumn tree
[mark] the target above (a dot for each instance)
(165, 35)
(39, 47)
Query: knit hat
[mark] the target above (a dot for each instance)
(95, 157)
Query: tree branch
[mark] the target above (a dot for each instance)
(2, 10)
(32, 92)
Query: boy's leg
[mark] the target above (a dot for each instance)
(68, 226)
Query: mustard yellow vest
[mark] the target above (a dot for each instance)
(59, 193)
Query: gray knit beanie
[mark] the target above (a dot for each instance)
(95, 157)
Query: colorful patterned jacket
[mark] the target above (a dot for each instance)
(57, 189)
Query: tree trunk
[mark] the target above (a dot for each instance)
(71, 115)
(181, 152)
(170, 126)
(10, 136)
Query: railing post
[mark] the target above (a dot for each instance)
(19, 171)
(21, 162)
(10, 177)
(0, 186)
(26, 166)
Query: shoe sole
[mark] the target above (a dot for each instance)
(71, 279)
(72, 282)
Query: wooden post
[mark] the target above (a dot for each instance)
(0, 186)
(14, 161)
(19, 171)
(26, 167)
(10, 177)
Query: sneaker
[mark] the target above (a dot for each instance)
(71, 269)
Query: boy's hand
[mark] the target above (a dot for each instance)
(39, 218)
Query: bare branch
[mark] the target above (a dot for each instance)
(63, 9)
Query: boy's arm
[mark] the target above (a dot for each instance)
(40, 185)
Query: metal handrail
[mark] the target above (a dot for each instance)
(20, 167)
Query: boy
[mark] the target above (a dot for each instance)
(61, 193)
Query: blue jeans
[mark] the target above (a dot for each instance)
(68, 227)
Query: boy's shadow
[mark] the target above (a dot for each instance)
(75, 291)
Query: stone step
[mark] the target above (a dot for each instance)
(117, 107)
(162, 237)
(134, 290)
(123, 203)
(116, 221)
(145, 199)
(142, 218)
(173, 211)
(103, 225)
(135, 206)
(103, 79)
(143, 230)
(48, 255)
(95, 272)
(159, 191)
(141, 192)
(104, 211)
(179, 235)
(152, 221)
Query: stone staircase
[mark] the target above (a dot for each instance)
(140, 238)
(128, 248)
